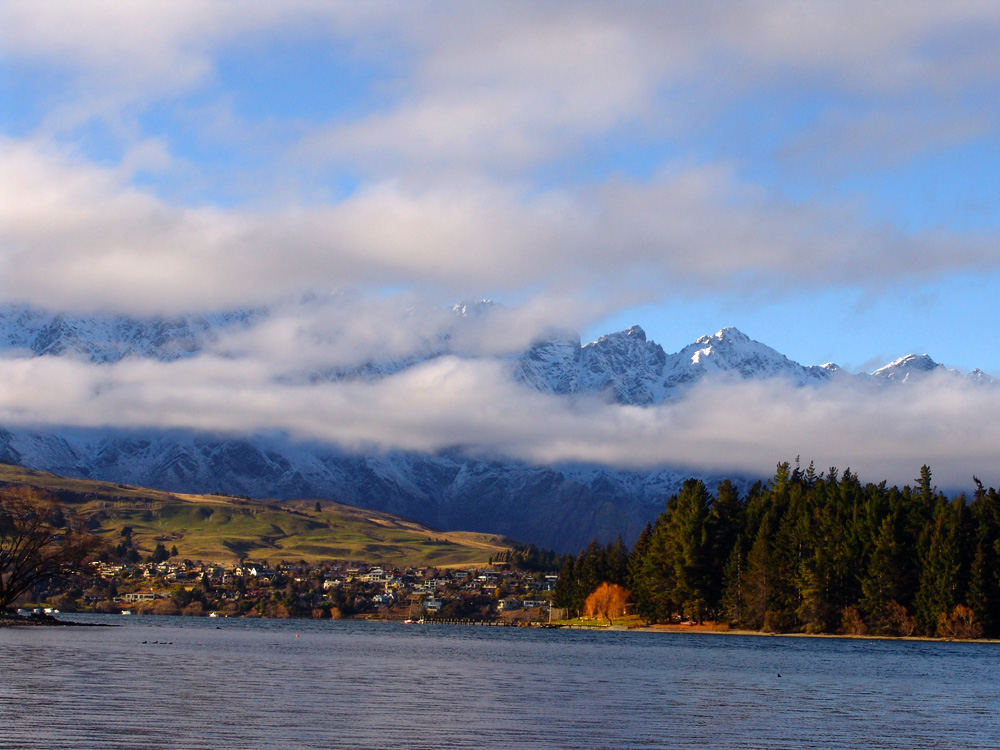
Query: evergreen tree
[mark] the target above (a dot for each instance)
(984, 574)
(636, 556)
(757, 586)
(733, 605)
(725, 522)
(881, 584)
(939, 577)
(813, 552)
(675, 572)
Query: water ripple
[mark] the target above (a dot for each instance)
(193, 684)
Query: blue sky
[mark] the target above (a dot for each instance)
(823, 176)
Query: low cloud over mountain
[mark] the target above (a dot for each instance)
(301, 393)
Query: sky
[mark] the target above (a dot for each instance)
(823, 176)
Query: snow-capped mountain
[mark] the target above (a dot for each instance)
(906, 368)
(731, 353)
(623, 365)
(632, 370)
(104, 338)
(561, 507)
(978, 376)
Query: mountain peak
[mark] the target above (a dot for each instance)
(902, 368)
(636, 332)
(633, 332)
(978, 376)
(729, 334)
(475, 307)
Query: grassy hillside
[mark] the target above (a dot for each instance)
(214, 528)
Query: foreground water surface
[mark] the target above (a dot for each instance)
(159, 682)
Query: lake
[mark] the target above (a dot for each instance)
(161, 682)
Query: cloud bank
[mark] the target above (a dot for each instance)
(494, 160)
(77, 237)
(573, 158)
(473, 404)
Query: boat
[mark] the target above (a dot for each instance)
(126, 611)
(213, 614)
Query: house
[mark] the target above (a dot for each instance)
(141, 596)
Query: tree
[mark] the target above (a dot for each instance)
(607, 601)
(681, 544)
(939, 577)
(38, 541)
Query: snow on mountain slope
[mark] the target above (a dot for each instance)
(730, 352)
(906, 368)
(634, 371)
(103, 338)
(551, 366)
(624, 366)
(980, 377)
(560, 507)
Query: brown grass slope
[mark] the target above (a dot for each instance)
(216, 528)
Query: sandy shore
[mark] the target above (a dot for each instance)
(717, 630)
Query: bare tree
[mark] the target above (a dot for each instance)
(38, 540)
(607, 601)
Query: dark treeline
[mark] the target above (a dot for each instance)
(808, 552)
(528, 557)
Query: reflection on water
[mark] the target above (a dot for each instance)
(199, 683)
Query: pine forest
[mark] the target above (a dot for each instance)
(813, 553)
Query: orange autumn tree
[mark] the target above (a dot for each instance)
(607, 601)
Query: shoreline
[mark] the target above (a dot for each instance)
(702, 630)
(8, 620)
(34, 621)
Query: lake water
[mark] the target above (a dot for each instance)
(159, 682)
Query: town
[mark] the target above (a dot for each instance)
(497, 593)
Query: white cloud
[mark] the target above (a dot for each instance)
(76, 236)
(504, 85)
(943, 421)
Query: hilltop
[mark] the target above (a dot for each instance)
(223, 528)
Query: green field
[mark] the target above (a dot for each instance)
(222, 529)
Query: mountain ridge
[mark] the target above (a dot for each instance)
(562, 507)
(624, 365)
